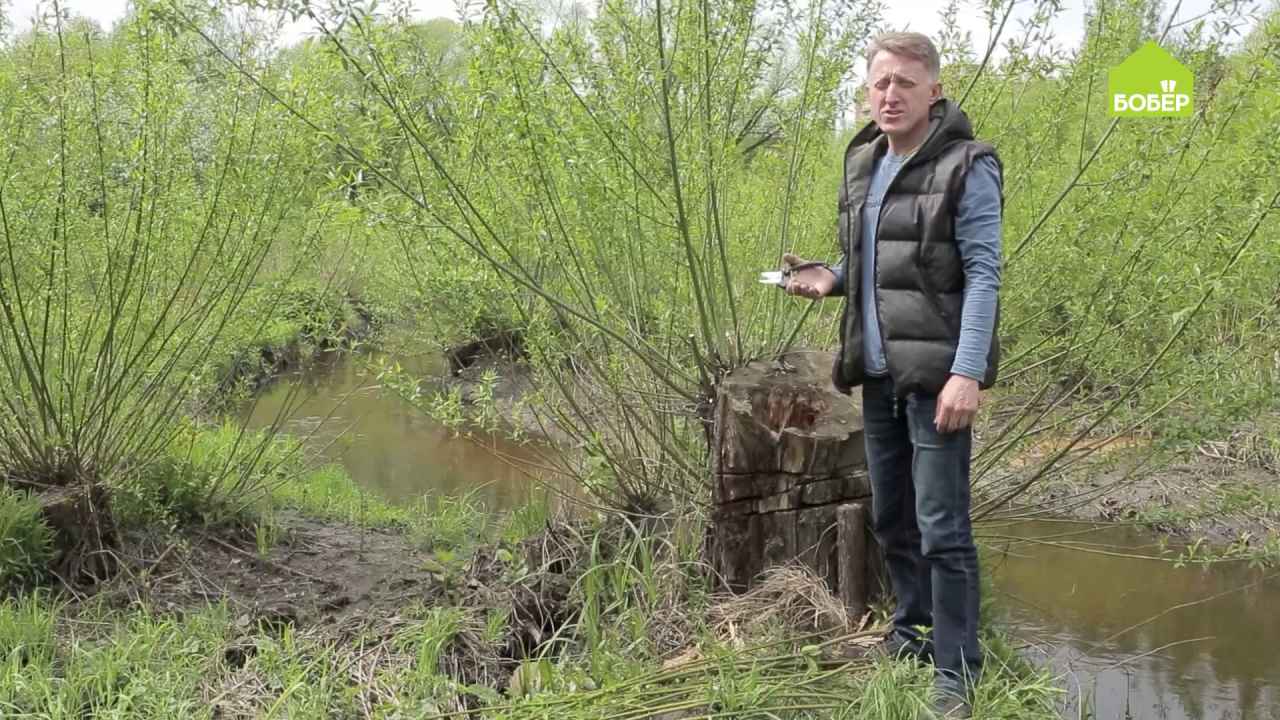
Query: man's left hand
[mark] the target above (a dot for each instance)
(957, 404)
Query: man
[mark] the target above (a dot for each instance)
(920, 222)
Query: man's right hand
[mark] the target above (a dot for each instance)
(813, 282)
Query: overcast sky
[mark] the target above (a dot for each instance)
(920, 15)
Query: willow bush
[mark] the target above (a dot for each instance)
(611, 181)
(616, 183)
(143, 191)
(1140, 284)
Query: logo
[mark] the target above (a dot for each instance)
(1150, 83)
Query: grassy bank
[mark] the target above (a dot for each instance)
(326, 602)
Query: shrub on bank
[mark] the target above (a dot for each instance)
(208, 475)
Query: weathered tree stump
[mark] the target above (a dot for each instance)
(790, 480)
(84, 536)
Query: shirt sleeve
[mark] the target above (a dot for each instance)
(978, 230)
(838, 271)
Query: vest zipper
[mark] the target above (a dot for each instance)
(875, 271)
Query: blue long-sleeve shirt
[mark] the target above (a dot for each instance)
(978, 231)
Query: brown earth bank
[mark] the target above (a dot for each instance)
(355, 591)
(351, 586)
(316, 572)
(1190, 497)
(255, 367)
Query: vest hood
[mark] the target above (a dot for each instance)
(947, 124)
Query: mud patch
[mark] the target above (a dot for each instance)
(316, 572)
(1196, 496)
(357, 589)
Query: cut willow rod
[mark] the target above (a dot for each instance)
(773, 698)
(691, 669)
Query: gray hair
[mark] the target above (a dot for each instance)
(908, 44)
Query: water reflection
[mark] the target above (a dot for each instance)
(387, 445)
(1143, 638)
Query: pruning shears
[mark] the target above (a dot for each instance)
(779, 277)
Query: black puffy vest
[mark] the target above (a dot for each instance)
(919, 272)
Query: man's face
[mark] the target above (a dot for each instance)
(900, 92)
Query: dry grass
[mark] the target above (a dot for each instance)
(1246, 448)
(791, 599)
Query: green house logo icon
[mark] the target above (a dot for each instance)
(1150, 83)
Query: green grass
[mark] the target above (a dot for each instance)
(642, 599)
(106, 664)
(134, 664)
(26, 542)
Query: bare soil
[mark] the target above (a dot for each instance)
(1198, 495)
(354, 590)
(316, 572)
(326, 574)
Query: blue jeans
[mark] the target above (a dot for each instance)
(920, 514)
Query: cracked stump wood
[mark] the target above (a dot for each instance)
(790, 479)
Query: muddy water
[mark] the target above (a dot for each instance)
(1110, 625)
(387, 445)
(1113, 627)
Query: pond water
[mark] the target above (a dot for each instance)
(1140, 638)
(1136, 638)
(387, 445)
